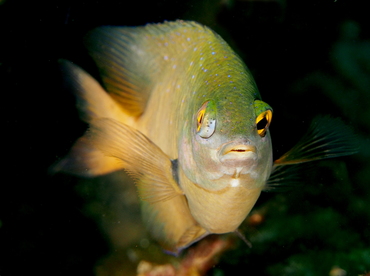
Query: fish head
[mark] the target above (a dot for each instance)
(228, 144)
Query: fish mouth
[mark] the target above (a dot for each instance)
(237, 154)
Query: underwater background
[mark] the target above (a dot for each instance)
(307, 57)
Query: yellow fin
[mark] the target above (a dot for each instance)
(191, 235)
(167, 221)
(142, 159)
(85, 160)
(92, 100)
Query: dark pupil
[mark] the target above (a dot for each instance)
(262, 123)
(201, 119)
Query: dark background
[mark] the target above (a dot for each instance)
(308, 58)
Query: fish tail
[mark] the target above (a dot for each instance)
(93, 102)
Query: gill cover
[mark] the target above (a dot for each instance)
(206, 120)
(263, 116)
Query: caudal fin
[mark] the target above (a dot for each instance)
(93, 102)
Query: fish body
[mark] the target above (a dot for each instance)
(181, 113)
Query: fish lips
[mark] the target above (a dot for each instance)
(240, 154)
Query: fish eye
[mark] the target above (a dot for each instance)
(263, 113)
(263, 122)
(206, 122)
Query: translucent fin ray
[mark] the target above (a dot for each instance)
(143, 160)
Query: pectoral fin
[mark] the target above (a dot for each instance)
(326, 138)
(142, 159)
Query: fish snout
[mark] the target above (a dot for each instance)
(238, 154)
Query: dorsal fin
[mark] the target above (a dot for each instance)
(130, 59)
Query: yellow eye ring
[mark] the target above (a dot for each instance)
(200, 117)
(263, 122)
(206, 120)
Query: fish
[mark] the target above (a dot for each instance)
(180, 112)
